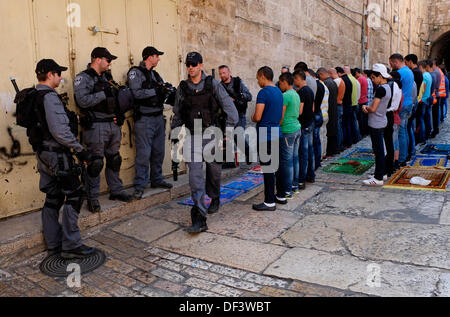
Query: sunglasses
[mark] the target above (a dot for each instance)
(189, 64)
(58, 72)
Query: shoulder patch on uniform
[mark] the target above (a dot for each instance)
(78, 80)
(132, 75)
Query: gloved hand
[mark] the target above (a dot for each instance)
(84, 156)
(108, 91)
(119, 120)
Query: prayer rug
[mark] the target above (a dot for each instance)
(227, 195)
(246, 183)
(438, 176)
(349, 166)
(437, 149)
(362, 154)
(429, 161)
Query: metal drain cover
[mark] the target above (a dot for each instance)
(56, 266)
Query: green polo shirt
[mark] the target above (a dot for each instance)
(291, 100)
(354, 90)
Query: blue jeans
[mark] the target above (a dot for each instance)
(395, 137)
(421, 121)
(445, 107)
(354, 126)
(428, 118)
(340, 134)
(411, 128)
(318, 122)
(242, 121)
(403, 135)
(288, 171)
(306, 155)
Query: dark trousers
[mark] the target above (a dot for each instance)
(347, 125)
(435, 113)
(376, 135)
(388, 140)
(363, 121)
(332, 145)
(269, 177)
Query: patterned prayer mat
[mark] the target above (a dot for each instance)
(401, 180)
(429, 161)
(349, 166)
(438, 149)
(362, 154)
(246, 183)
(227, 195)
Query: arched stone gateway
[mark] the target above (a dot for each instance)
(441, 49)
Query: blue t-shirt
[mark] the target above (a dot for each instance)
(272, 98)
(427, 80)
(407, 79)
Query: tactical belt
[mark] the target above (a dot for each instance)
(104, 120)
(53, 149)
(152, 114)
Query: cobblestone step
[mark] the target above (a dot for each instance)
(23, 234)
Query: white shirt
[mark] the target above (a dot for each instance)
(396, 98)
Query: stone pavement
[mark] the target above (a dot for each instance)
(336, 238)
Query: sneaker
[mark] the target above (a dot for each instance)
(373, 182)
(295, 191)
(289, 196)
(385, 177)
(301, 186)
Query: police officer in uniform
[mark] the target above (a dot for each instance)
(241, 96)
(202, 97)
(96, 98)
(58, 178)
(150, 125)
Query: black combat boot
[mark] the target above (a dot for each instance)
(214, 207)
(198, 222)
(121, 197)
(94, 205)
(78, 253)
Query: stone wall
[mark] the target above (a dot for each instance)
(438, 30)
(248, 34)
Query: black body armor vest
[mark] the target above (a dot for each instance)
(199, 105)
(149, 83)
(240, 104)
(100, 85)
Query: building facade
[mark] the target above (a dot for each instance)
(244, 34)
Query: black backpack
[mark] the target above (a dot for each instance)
(30, 114)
